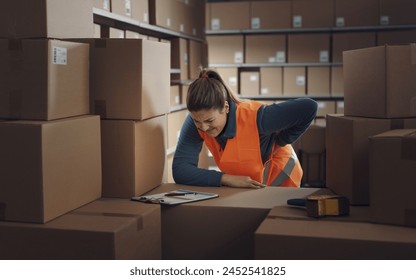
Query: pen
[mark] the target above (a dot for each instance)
(179, 193)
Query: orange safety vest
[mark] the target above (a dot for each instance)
(242, 155)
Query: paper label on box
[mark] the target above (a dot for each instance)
(185, 58)
(255, 23)
(59, 56)
(340, 22)
(253, 78)
(146, 17)
(215, 24)
(384, 20)
(106, 5)
(181, 27)
(340, 104)
(177, 99)
(324, 56)
(238, 57)
(168, 22)
(297, 21)
(194, 31)
(281, 56)
(232, 81)
(127, 5)
(321, 105)
(300, 80)
(264, 91)
(272, 59)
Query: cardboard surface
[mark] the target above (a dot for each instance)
(234, 15)
(105, 229)
(294, 81)
(265, 48)
(318, 83)
(270, 14)
(308, 48)
(225, 49)
(48, 168)
(397, 12)
(249, 83)
(312, 14)
(282, 235)
(356, 13)
(271, 81)
(351, 41)
(222, 228)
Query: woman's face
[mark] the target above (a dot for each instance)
(212, 121)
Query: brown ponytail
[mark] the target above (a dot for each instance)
(209, 91)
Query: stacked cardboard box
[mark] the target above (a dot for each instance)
(379, 97)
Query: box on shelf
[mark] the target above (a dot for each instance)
(102, 4)
(312, 14)
(225, 49)
(229, 15)
(46, 19)
(265, 49)
(294, 81)
(249, 83)
(134, 9)
(230, 77)
(175, 95)
(196, 53)
(385, 74)
(337, 81)
(351, 41)
(392, 166)
(105, 229)
(318, 83)
(325, 108)
(43, 79)
(163, 13)
(130, 79)
(283, 235)
(48, 167)
(397, 12)
(356, 13)
(270, 14)
(340, 107)
(347, 156)
(308, 48)
(134, 156)
(180, 56)
(271, 81)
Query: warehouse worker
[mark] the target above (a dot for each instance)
(250, 141)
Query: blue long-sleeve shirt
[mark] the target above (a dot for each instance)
(281, 123)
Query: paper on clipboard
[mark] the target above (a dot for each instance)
(175, 197)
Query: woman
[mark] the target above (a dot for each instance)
(249, 141)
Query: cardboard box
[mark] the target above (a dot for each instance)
(230, 77)
(48, 167)
(105, 229)
(135, 9)
(164, 13)
(46, 19)
(385, 74)
(43, 79)
(130, 79)
(249, 83)
(294, 81)
(271, 81)
(325, 108)
(339, 107)
(312, 14)
(265, 49)
(196, 52)
(134, 156)
(337, 81)
(397, 12)
(318, 81)
(282, 236)
(392, 166)
(225, 49)
(102, 4)
(308, 48)
(270, 14)
(347, 156)
(356, 13)
(236, 214)
(180, 56)
(396, 37)
(351, 41)
(175, 95)
(229, 15)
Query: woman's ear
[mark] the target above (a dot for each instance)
(226, 107)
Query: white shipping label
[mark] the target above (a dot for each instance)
(253, 78)
(281, 56)
(181, 27)
(324, 56)
(146, 17)
(177, 99)
(232, 81)
(59, 55)
(185, 58)
(272, 59)
(340, 22)
(127, 5)
(340, 104)
(168, 22)
(194, 31)
(264, 90)
(106, 5)
(215, 24)
(255, 23)
(384, 20)
(238, 57)
(297, 21)
(300, 80)
(321, 105)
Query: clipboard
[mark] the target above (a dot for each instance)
(175, 197)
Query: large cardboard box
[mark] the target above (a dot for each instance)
(229, 15)
(356, 13)
(351, 41)
(46, 19)
(318, 81)
(271, 81)
(385, 74)
(222, 228)
(48, 168)
(230, 77)
(397, 12)
(225, 49)
(308, 48)
(105, 229)
(271, 14)
(135, 9)
(165, 14)
(43, 79)
(265, 48)
(294, 81)
(312, 14)
(134, 156)
(347, 155)
(392, 166)
(249, 83)
(130, 79)
(288, 234)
